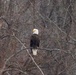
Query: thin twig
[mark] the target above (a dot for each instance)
(8, 73)
(15, 69)
(66, 14)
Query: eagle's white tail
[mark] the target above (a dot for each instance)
(34, 51)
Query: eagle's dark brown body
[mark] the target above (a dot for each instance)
(34, 41)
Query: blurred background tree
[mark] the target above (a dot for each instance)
(55, 20)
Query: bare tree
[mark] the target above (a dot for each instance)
(55, 20)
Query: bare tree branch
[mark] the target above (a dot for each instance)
(7, 73)
(48, 19)
(15, 69)
(30, 56)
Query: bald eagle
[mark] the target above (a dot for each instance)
(34, 41)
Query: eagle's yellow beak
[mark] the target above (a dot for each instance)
(34, 30)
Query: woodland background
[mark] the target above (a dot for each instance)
(56, 21)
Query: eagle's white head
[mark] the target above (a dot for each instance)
(35, 31)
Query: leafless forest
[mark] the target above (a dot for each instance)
(55, 20)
